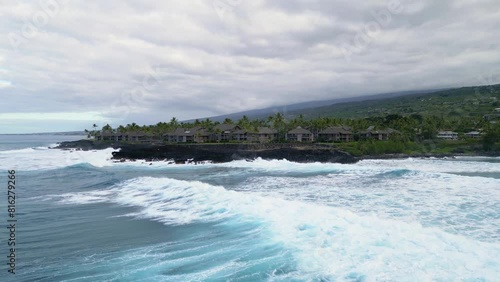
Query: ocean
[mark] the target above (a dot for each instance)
(82, 217)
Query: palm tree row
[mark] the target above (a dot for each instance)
(412, 127)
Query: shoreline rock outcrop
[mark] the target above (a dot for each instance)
(218, 153)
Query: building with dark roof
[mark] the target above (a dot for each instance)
(300, 134)
(372, 133)
(224, 132)
(263, 135)
(336, 134)
(187, 135)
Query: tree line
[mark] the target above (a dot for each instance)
(414, 127)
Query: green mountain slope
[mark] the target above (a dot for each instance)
(466, 101)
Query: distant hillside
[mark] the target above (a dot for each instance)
(264, 113)
(468, 101)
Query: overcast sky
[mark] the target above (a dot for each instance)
(65, 65)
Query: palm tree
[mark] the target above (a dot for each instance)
(244, 122)
(279, 118)
(94, 131)
(278, 122)
(174, 122)
(207, 123)
(121, 129)
(301, 119)
(107, 127)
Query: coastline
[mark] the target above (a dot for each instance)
(216, 152)
(227, 152)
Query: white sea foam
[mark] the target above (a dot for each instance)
(326, 242)
(45, 158)
(437, 165)
(91, 197)
(458, 204)
(285, 166)
(462, 165)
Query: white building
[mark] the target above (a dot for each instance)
(450, 135)
(473, 134)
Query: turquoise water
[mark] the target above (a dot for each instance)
(82, 217)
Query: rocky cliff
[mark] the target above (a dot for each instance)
(217, 153)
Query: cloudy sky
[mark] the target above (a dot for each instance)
(65, 65)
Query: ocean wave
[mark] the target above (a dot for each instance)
(326, 242)
(391, 167)
(458, 165)
(46, 158)
(463, 205)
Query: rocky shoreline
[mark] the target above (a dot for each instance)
(226, 152)
(217, 153)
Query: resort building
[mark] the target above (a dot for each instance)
(260, 135)
(105, 135)
(300, 134)
(473, 134)
(449, 135)
(263, 135)
(241, 135)
(188, 135)
(235, 133)
(133, 136)
(336, 134)
(372, 133)
(224, 132)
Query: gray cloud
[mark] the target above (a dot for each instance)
(202, 58)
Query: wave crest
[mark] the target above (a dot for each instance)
(325, 241)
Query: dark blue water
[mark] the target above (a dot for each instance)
(82, 217)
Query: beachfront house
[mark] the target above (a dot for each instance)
(258, 135)
(372, 133)
(336, 134)
(448, 135)
(129, 136)
(263, 135)
(187, 135)
(179, 135)
(201, 135)
(106, 135)
(136, 136)
(224, 132)
(299, 134)
(241, 135)
(473, 134)
(120, 136)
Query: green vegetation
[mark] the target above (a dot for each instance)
(461, 102)
(431, 147)
(417, 118)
